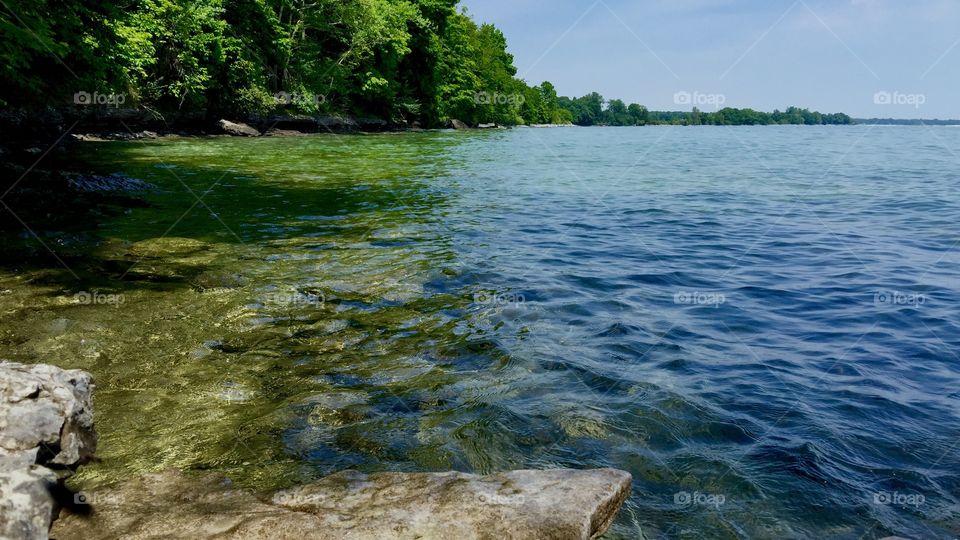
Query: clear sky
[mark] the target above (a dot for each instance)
(828, 55)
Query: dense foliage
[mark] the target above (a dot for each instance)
(400, 60)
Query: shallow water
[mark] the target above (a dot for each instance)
(760, 324)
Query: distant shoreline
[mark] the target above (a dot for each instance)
(905, 122)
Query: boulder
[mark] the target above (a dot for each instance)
(46, 416)
(487, 126)
(46, 430)
(237, 129)
(551, 504)
(457, 124)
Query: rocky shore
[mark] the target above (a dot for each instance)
(47, 431)
(39, 129)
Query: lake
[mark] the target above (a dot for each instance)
(761, 324)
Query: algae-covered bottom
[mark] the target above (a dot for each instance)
(768, 346)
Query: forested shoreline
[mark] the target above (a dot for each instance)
(407, 62)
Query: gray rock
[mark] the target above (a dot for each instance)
(26, 500)
(46, 420)
(337, 123)
(553, 504)
(46, 416)
(457, 124)
(557, 504)
(487, 126)
(238, 129)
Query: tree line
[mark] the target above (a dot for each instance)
(593, 110)
(405, 61)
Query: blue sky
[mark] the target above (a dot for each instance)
(829, 55)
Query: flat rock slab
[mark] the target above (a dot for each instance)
(552, 504)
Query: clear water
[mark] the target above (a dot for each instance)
(760, 324)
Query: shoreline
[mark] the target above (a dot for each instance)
(40, 129)
(47, 408)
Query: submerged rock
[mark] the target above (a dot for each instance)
(552, 504)
(99, 183)
(166, 246)
(217, 279)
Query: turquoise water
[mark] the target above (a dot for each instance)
(760, 324)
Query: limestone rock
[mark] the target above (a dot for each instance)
(237, 129)
(553, 504)
(550, 504)
(46, 416)
(46, 420)
(457, 124)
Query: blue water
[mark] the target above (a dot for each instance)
(768, 316)
(761, 324)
